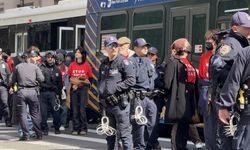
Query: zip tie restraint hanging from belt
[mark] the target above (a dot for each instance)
(139, 117)
(232, 127)
(104, 127)
(57, 104)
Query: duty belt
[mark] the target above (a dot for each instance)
(142, 93)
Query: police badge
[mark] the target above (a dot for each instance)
(224, 49)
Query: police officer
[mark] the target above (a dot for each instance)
(50, 91)
(238, 77)
(158, 96)
(4, 79)
(145, 76)
(117, 75)
(222, 60)
(28, 76)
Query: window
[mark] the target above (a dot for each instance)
(149, 25)
(113, 22)
(153, 36)
(20, 41)
(79, 35)
(178, 27)
(151, 17)
(114, 25)
(66, 36)
(229, 7)
(198, 30)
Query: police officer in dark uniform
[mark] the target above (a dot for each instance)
(117, 75)
(4, 79)
(157, 95)
(238, 78)
(222, 60)
(145, 76)
(28, 76)
(50, 91)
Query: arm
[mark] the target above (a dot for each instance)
(169, 74)
(39, 75)
(130, 80)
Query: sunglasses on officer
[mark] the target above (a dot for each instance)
(113, 45)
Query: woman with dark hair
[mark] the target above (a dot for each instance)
(80, 75)
(180, 82)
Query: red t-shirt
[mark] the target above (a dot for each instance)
(10, 63)
(191, 74)
(76, 70)
(204, 63)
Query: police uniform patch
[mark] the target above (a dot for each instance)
(225, 49)
(126, 62)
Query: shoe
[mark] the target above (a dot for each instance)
(74, 132)
(62, 128)
(156, 147)
(8, 124)
(45, 133)
(57, 131)
(199, 145)
(24, 138)
(82, 132)
(39, 137)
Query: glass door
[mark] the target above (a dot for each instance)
(66, 38)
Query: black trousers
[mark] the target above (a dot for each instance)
(179, 139)
(28, 97)
(48, 103)
(79, 99)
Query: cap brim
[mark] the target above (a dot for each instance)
(246, 25)
(147, 44)
(112, 43)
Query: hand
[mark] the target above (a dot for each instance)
(86, 82)
(11, 91)
(224, 115)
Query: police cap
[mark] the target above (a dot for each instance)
(51, 53)
(141, 42)
(153, 50)
(33, 53)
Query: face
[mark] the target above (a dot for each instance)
(50, 59)
(112, 49)
(124, 47)
(242, 30)
(153, 57)
(68, 58)
(211, 41)
(173, 52)
(141, 51)
(78, 54)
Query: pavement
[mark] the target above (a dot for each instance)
(64, 141)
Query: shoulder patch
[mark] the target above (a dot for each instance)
(126, 62)
(224, 49)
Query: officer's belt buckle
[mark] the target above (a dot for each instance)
(137, 93)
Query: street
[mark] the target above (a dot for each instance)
(64, 141)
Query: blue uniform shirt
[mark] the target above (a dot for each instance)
(239, 74)
(222, 61)
(145, 72)
(115, 76)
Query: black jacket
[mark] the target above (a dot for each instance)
(175, 87)
(53, 78)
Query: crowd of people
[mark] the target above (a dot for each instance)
(185, 94)
(135, 89)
